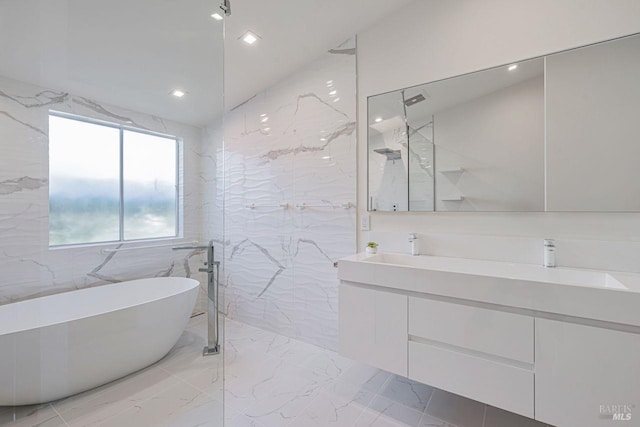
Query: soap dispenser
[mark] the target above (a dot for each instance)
(549, 253)
(415, 244)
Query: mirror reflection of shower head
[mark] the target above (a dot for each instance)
(414, 100)
(389, 153)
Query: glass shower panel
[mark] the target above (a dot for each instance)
(104, 169)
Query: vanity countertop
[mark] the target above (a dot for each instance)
(591, 294)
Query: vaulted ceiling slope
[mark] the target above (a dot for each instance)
(293, 33)
(133, 53)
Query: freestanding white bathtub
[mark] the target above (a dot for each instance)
(55, 346)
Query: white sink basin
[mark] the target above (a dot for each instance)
(600, 295)
(529, 272)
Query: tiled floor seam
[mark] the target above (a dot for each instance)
(139, 403)
(333, 380)
(59, 416)
(424, 412)
(193, 386)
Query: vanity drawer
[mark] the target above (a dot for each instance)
(497, 384)
(493, 332)
(373, 327)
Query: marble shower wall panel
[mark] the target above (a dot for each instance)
(30, 268)
(294, 143)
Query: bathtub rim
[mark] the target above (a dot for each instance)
(194, 285)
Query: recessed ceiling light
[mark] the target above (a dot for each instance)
(249, 38)
(512, 67)
(263, 115)
(267, 129)
(378, 119)
(264, 119)
(178, 93)
(336, 100)
(329, 82)
(333, 92)
(217, 16)
(326, 157)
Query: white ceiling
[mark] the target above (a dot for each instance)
(294, 33)
(132, 53)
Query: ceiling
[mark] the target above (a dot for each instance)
(133, 53)
(293, 34)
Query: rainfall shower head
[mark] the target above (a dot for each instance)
(414, 100)
(391, 154)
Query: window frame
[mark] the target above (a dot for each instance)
(122, 128)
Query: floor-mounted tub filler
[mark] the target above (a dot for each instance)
(55, 346)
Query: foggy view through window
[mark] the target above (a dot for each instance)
(84, 188)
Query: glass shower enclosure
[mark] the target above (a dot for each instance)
(110, 142)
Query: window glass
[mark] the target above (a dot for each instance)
(84, 182)
(149, 186)
(85, 191)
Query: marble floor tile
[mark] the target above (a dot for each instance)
(499, 418)
(455, 409)
(409, 393)
(429, 421)
(294, 390)
(204, 373)
(243, 421)
(368, 378)
(288, 349)
(385, 412)
(91, 409)
(340, 404)
(203, 412)
(169, 408)
(328, 363)
(248, 387)
(30, 416)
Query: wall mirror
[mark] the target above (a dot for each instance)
(555, 133)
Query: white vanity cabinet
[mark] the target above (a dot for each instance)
(586, 374)
(373, 327)
(558, 345)
(482, 354)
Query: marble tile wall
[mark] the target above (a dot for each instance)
(294, 143)
(29, 267)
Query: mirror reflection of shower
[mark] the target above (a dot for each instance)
(401, 151)
(394, 184)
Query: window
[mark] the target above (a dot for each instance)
(110, 183)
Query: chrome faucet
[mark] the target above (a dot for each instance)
(212, 268)
(413, 240)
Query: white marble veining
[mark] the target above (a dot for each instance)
(30, 268)
(293, 143)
